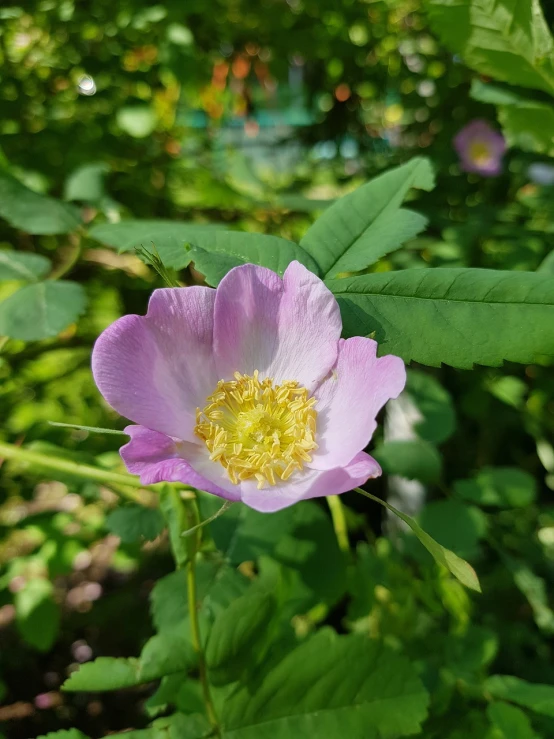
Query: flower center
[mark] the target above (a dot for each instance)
(256, 429)
(480, 152)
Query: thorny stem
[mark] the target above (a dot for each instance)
(193, 545)
(339, 522)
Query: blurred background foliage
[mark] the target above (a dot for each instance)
(256, 115)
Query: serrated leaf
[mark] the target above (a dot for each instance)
(368, 223)
(505, 39)
(167, 653)
(168, 238)
(42, 310)
(16, 265)
(500, 487)
(135, 522)
(535, 696)
(330, 686)
(510, 722)
(34, 213)
(234, 639)
(414, 459)
(178, 726)
(104, 673)
(216, 253)
(459, 317)
(37, 614)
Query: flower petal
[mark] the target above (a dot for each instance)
(157, 369)
(287, 329)
(156, 457)
(349, 400)
(311, 484)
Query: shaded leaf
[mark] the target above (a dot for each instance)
(366, 224)
(510, 722)
(87, 183)
(42, 310)
(535, 696)
(467, 316)
(16, 265)
(37, 614)
(178, 726)
(454, 525)
(500, 487)
(435, 405)
(135, 522)
(64, 734)
(414, 459)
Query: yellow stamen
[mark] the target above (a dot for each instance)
(258, 430)
(480, 152)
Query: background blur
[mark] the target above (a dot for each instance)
(256, 114)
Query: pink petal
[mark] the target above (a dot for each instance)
(156, 458)
(349, 400)
(157, 369)
(311, 484)
(287, 329)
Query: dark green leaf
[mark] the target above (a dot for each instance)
(64, 734)
(459, 317)
(329, 687)
(536, 697)
(41, 310)
(510, 721)
(535, 589)
(501, 487)
(214, 254)
(435, 405)
(34, 213)
(414, 459)
(135, 522)
(454, 525)
(37, 614)
(366, 224)
(16, 265)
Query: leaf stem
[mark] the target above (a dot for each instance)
(193, 545)
(339, 522)
(128, 483)
(76, 248)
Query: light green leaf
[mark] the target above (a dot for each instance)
(510, 722)
(42, 310)
(92, 429)
(135, 522)
(414, 459)
(178, 726)
(547, 265)
(461, 569)
(435, 404)
(214, 254)
(504, 39)
(535, 589)
(535, 696)
(16, 265)
(104, 673)
(87, 183)
(138, 121)
(234, 641)
(64, 734)
(501, 487)
(173, 509)
(366, 224)
(168, 238)
(33, 213)
(330, 686)
(37, 614)
(167, 653)
(459, 317)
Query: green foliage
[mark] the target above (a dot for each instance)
(70, 734)
(535, 697)
(499, 487)
(510, 722)
(28, 267)
(467, 316)
(435, 404)
(105, 673)
(41, 310)
(38, 615)
(415, 459)
(134, 522)
(363, 226)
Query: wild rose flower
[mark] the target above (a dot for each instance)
(480, 148)
(247, 391)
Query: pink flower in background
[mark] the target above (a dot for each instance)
(247, 391)
(480, 148)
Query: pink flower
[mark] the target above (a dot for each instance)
(247, 391)
(480, 148)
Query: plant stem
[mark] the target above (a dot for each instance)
(339, 522)
(193, 543)
(77, 246)
(86, 471)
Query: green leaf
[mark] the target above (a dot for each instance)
(435, 404)
(138, 121)
(104, 673)
(414, 459)
(168, 238)
(528, 125)
(234, 642)
(37, 614)
(167, 653)
(41, 310)
(177, 726)
(535, 696)
(510, 722)
(366, 224)
(173, 510)
(64, 734)
(33, 213)
(461, 569)
(87, 183)
(92, 429)
(504, 39)
(16, 265)
(214, 254)
(459, 317)
(535, 589)
(330, 686)
(135, 522)
(547, 265)
(500, 487)
(454, 525)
